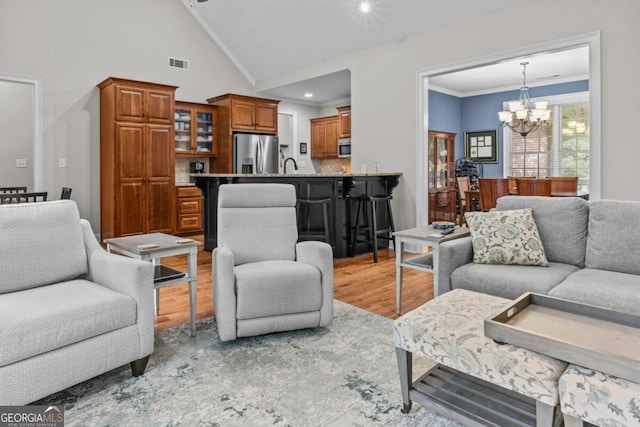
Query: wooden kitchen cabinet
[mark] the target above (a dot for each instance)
(324, 137)
(189, 209)
(344, 122)
(137, 164)
(254, 115)
(240, 113)
(441, 176)
(195, 129)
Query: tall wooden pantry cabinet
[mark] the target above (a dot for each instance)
(137, 165)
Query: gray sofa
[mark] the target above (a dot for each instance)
(593, 249)
(68, 310)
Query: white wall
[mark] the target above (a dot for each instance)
(74, 44)
(384, 84)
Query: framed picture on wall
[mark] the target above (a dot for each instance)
(303, 148)
(481, 146)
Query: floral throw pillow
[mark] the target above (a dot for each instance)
(505, 237)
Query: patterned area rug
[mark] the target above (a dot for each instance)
(342, 375)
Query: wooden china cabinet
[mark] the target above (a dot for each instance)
(441, 176)
(137, 164)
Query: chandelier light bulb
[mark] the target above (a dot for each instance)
(365, 6)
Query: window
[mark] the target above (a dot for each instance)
(574, 151)
(559, 149)
(531, 155)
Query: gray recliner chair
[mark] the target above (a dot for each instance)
(263, 281)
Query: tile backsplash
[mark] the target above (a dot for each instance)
(333, 165)
(183, 168)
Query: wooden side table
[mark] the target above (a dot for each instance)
(423, 236)
(152, 247)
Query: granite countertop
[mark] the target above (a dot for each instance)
(280, 175)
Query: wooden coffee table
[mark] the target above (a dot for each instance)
(152, 247)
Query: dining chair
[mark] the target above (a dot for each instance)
(464, 185)
(23, 197)
(513, 185)
(12, 190)
(534, 187)
(66, 193)
(564, 185)
(513, 188)
(491, 189)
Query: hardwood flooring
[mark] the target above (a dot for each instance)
(357, 281)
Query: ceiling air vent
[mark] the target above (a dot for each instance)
(179, 63)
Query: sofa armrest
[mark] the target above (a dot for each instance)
(127, 276)
(320, 255)
(224, 293)
(452, 254)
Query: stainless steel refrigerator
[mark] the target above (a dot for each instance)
(254, 153)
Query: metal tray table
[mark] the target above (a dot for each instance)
(586, 335)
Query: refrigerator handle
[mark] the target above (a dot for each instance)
(263, 159)
(259, 155)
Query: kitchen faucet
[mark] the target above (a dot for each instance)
(295, 165)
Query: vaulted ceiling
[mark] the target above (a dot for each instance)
(269, 38)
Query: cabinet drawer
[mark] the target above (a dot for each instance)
(189, 222)
(189, 192)
(190, 206)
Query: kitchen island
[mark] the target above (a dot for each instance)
(340, 188)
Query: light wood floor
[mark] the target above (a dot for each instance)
(358, 281)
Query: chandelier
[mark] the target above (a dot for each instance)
(524, 116)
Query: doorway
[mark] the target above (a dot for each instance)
(21, 132)
(591, 40)
(286, 138)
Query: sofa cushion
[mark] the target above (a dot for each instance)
(40, 243)
(505, 237)
(38, 320)
(510, 281)
(614, 236)
(562, 223)
(608, 289)
(277, 287)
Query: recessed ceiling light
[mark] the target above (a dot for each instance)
(365, 6)
(308, 95)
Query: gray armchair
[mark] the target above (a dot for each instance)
(68, 310)
(263, 281)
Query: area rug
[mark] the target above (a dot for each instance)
(342, 375)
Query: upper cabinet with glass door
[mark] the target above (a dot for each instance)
(195, 129)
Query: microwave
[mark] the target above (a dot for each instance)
(344, 148)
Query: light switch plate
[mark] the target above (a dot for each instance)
(21, 163)
(62, 163)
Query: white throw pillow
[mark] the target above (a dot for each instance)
(505, 237)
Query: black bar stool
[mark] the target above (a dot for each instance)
(308, 234)
(369, 206)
